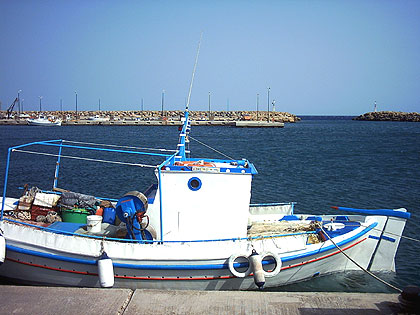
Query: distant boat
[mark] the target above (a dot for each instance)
(98, 118)
(44, 121)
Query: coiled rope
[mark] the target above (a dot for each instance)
(354, 262)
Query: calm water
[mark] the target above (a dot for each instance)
(317, 162)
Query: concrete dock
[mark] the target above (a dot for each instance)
(58, 300)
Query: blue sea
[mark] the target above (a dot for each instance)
(318, 162)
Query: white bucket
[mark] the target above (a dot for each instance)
(94, 223)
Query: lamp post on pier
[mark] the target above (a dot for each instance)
(268, 104)
(76, 103)
(163, 101)
(209, 106)
(19, 100)
(40, 103)
(258, 101)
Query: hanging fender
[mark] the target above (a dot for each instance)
(277, 261)
(2, 249)
(232, 269)
(105, 271)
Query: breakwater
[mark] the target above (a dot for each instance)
(215, 118)
(389, 116)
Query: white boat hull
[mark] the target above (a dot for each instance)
(43, 122)
(42, 257)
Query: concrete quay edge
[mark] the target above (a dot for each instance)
(65, 300)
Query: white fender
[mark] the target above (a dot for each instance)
(232, 268)
(105, 271)
(2, 249)
(277, 260)
(257, 268)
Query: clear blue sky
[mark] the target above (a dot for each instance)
(318, 57)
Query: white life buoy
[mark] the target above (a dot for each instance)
(277, 261)
(105, 271)
(232, 268)
(2, 249)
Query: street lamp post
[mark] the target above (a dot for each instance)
(40, 104)
(19, 100)
(268, 104)
(76, 103)
(258, 101)
(163, 100)
(209, 106)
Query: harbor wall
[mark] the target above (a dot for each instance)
(213, 118)
(389, 116)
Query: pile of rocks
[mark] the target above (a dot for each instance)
(389, 116)
(174, 115)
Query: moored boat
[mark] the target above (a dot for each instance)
(44, 121)
(194, 229)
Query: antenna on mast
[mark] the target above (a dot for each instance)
(192, 78)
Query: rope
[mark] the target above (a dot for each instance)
(85, 159)
(354, 262)
(119, 146)
(221, 153)
(397, 235)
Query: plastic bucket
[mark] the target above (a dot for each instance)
(94, 223)
(74, 215)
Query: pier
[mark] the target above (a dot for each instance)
(156, 118)
(53, 300)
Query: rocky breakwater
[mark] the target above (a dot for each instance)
(173, 115)
(389, 116)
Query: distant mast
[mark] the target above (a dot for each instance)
(374, 107)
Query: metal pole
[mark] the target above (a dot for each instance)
(163, 100)
(142, 104)
(76, 103)
(19, 100)
(61, 105)
(99, 104)
(6, 175)
(40, 98)
(57, 166)
(258, 101)
(268, 105)
(209, 106)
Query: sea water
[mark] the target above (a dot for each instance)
(318, 162)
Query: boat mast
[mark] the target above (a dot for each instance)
(185, 127)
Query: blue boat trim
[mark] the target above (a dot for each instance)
(385, 212)
(185, 267)
(387, 238)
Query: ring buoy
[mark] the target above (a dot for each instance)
(277, 261)
(232, 268)
(195, 163)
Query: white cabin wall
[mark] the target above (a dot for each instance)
(219, 209)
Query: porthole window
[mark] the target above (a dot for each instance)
(194, 183)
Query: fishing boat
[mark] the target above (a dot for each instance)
(193, 229)
(98, 118)
(44, 121)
